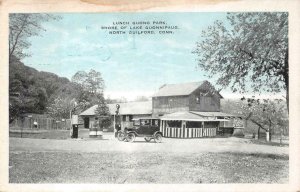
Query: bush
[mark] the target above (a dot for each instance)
(238, 133)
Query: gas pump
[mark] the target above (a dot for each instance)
(74, 121)
(117, 125)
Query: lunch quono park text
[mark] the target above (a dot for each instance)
(140, 28)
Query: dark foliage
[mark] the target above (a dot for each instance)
(31, 91)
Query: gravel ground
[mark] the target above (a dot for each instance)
(109, 143)
(144, 167)
(210, 160)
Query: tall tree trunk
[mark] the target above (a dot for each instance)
(270, 130)
(286, 77)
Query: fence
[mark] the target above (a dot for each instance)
(175, 132)
(42, 123)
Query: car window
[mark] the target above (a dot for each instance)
(136, 122)
(145, 122)
(156, 122)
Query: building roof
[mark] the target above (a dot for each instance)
(189, 116)
(177, 89)
(130, 108)
(183, 89)
(212, 114)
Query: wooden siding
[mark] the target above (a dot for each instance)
(192, 102)
(209, 103)
(164, 105)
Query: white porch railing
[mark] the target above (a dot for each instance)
(178, 132)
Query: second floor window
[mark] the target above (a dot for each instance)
(198, 99)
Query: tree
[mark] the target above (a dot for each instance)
(94, 81)
(80, 78)
(266, 114)
(102, 112)
(60, 108)
(247, 52)
(269, 115)
(90, 85)
(21, 27)
(31, 91)
(91, 82)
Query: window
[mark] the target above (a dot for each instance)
(174, 123)
(170, 101)
(198, 99)
(155, 122)
(193, 124)
(130, 118)
(136, 122)
(145, 122)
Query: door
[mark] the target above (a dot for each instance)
(86, 122)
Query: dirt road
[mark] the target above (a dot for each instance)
(168, 145)
(213, 160)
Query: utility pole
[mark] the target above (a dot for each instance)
(116, 119)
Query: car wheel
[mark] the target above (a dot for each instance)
(148, 139)
(121, 136)
(130, 137)
(158, 138)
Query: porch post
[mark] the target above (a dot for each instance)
(163, 127)
(183, 128)
(181, 132)
(203, 129)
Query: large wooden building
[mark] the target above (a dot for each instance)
(196, 96)
(187, 110)
(191, 110)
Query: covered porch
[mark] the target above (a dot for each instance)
(190, 125)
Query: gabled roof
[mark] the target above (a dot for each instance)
(90, 111)
(130, 108)
(183, 89)
(177, 89)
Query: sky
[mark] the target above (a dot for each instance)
(131, 65)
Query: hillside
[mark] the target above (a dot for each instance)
(32, 90)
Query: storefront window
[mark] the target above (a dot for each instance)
(174, 123)
(193, 124)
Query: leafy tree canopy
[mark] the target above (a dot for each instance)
(91, 86)
(91, 82)
(248, 52)
(266, 114)
(60, 108)
(21, 27)
(102, 112)
(31, 91)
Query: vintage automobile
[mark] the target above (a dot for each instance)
(142, 127)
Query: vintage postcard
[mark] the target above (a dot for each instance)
(150, 96)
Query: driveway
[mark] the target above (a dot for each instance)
(110, 144)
